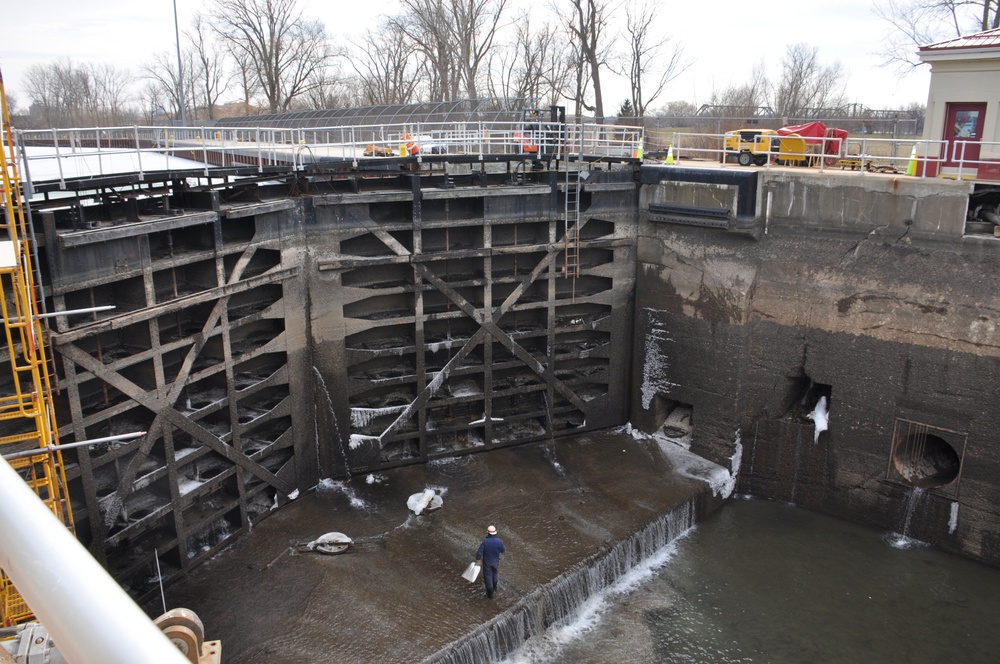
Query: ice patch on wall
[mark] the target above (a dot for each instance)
(821, 416)
(357, 440)
(953, 519)
(362, 417)
(482, 420)
(655, 365)
(688, 464)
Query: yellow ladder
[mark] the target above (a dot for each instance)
(26, 400)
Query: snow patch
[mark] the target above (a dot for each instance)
(372, 478)
(953, 519)
(293, 495)
(465, 388)
(186, 486)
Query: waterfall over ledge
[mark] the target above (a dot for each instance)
(557, 600)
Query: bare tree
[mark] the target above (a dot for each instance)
(426, 23)
(579, 79)
(648, 52)
(152, 103)
(474, 28)
(806, 84)
(678, 109)
(246, 77)
(327, 91)
(387, 66)
(285, 51)
(211, 78)
(533, 67)
(161, 71)
(60, 93)
(65, 94)
(746, 99)
(587, 23)
(48, 97)
(917, 23)
(110, 94)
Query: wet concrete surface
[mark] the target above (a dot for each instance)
(398, 594)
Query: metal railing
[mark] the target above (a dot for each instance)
(862, 154)
(60, 154)
(914, 156)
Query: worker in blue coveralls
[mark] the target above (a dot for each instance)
(489, 552)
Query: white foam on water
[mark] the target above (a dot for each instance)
(902, 542)
(549, 646)
(328, 485)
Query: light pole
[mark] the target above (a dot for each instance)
(180, 67)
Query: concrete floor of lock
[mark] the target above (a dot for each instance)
(398, 594)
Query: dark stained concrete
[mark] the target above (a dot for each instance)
(398, 595)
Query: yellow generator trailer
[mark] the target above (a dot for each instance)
(754, 146)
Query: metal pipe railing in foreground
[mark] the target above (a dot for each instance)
(90, 618)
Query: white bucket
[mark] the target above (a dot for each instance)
(471, 572)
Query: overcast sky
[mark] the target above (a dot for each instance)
(722, 39)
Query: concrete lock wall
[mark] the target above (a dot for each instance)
(266, 341)
(862, 291)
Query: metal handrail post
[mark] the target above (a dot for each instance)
(260, 155)
(204, 150)
(138, 150)
(55, 142)
(97, 141)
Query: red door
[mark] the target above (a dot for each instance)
(963, 131)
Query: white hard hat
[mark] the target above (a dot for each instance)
(491, 530)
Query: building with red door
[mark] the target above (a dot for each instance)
(963, 107)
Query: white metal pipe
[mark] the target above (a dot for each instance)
(90, 618)
(73, 312)
(69, 446)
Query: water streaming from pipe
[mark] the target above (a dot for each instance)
(336, 426)
(557, 601)
(795, 470)
(903, 540)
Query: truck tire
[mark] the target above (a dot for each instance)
(745, 159)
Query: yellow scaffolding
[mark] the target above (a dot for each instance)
(26, 399)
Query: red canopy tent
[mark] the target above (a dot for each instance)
(814, 133)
